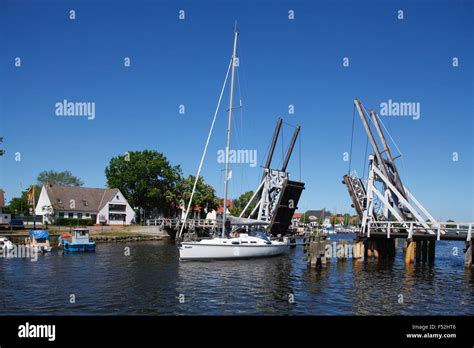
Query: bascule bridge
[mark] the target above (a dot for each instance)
(388, 210)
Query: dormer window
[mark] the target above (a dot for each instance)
(85, 203)
(59, 201)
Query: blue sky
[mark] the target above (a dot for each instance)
(283, 62)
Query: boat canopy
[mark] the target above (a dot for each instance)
(259, 234)
(39, 234)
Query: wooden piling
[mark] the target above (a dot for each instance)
(313, 255)
(424, 250)
(293, 241)
(431, 250)
(391, 249)
(376, 247)
(316, 255)
(359, 251)
(417, 246)
(410, 253)
(469, 254)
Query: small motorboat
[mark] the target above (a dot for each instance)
(6, 245)
(78, 240)
(39, 240)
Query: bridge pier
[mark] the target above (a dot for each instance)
(417, 246)
(421, 250)
(410, 252)
(383, 248)
(424, 250)
(431, 250)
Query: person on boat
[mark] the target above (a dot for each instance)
(228, 227)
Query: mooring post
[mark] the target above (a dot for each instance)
(359, 250)
(293, 241)
(316, 252)
(468, 256)
(322, 246)
(313, 259)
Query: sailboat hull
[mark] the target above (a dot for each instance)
(226, 249)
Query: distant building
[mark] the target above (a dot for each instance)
(107, 206)
(315, 215)
(295, 220)
(4, 218)
(216, 214)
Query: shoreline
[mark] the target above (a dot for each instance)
(98, 234)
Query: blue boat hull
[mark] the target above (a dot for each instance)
(67, 246)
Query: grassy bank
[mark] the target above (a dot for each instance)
(97, 233)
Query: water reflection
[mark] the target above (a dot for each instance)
(151, 280)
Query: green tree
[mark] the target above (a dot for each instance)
(346, 219)
(240, 203)
(147, 180)
(355, 221)
(59, 178)
(334, 220)
(204, 195)
(19, 205)
(304, 219)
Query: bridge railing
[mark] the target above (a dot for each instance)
(438, 228)
(175, 223)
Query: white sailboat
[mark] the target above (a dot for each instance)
(254, 244)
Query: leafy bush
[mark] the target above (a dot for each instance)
(74, 222)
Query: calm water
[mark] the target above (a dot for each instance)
(150, 280)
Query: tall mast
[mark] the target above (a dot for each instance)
(229, 124)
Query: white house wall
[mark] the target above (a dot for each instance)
(130, 214)
(43, 201)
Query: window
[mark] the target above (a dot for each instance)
(116, 217)
(79, 215)
(88, 215)
(117, 207)
(70, 215)
(85, 203)
(118, 197)
(58, 200)
(61, 215)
